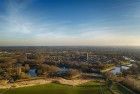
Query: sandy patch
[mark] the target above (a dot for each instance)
(42, 81)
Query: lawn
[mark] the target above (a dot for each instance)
(120, 89)
(53, 88)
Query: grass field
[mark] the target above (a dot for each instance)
(121, 89)
(52, 88)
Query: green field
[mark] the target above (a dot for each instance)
(121, 89)
(52, 88)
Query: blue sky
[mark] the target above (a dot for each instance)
(70, 22)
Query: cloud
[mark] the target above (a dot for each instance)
(19, 29)
(86, 36)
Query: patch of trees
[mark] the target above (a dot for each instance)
(47, 70)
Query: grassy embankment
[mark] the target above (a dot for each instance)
(53, 88)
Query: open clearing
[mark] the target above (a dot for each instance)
(53, 88)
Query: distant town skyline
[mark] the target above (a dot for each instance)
(70, 23)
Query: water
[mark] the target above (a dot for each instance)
(32, 72)
(117, 70)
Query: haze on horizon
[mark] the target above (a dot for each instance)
(70, 22)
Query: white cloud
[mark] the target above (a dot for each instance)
(59, 33)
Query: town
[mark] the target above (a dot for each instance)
(19, 64)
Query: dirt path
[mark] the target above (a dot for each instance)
(43, 81)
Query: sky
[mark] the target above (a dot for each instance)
(69, 22)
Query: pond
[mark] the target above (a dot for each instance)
(32, 73)
(117, 70)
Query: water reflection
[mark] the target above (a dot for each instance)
(32, 72)
(117, 70)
